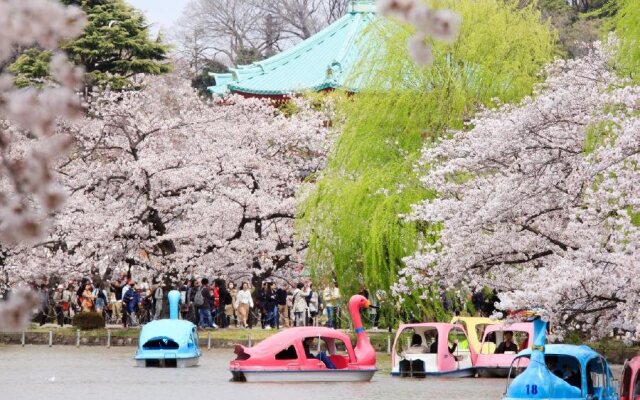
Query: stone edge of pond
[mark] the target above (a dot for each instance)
(129, 337)
(615, 351)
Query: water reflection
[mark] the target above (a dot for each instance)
(68, 373)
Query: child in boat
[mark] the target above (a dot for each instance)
(322, 356)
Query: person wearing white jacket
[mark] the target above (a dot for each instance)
(300, 305)
(244, 302)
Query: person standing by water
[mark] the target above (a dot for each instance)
(244, 303)
(224, 298)
(377, 300)
(130, 302)
(100, 298)
(195, 308)
(58, 301)
(270, 306)
(116, 305)
(230, 309)
(185, 303)
(204, 301)
(300, 306)
(331, 298)
(125, 311)
(313, 301)
(283, 309)
(158, 295)
(88, 298)
(68, 306)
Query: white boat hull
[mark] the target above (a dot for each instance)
(331, 375)
(169, 362)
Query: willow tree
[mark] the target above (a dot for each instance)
(353, 218)
(627, 27)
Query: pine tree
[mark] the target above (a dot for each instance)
(114, 46)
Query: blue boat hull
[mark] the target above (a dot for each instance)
(168, 362)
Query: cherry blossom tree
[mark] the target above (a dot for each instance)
(437, 24)
(162, 180)
(29, 192)
(540, 201)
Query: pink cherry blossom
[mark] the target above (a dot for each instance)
(537, 200)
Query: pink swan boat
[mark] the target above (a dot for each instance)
(285, 356)
(630, 380)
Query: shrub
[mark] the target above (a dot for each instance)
(88, 320)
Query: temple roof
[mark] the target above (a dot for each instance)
(323, 61)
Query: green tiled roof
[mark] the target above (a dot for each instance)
(323, 61)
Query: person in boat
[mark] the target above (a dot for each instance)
(568, 374)
(416, 345)
(525, 342)
(307, 343)
(552, 365)
(507, 345)
(434, 346)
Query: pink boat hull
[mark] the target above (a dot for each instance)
(326, 375)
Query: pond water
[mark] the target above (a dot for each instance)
(96, 373)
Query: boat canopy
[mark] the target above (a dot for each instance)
(494, 335)
(275, 344)
(474, 326)
(167, 334)
(582, 353)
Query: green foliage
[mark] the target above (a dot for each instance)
(203, 80)
(599, 135)
(246, 56)
(88, 321)
(113, 47)
(352, 218)
(577, 25)
(627, 26)
(31, 67)
(635, 216)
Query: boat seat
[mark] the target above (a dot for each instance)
(339, 361)
(488, 348)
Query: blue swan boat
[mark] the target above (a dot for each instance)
(168, 342)
(559, 371)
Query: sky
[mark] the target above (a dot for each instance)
(160, 13)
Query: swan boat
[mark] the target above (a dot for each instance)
(559, 372)
(168, 342)
(288, 355)
(630, 380)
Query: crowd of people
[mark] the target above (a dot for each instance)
(208, 303)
